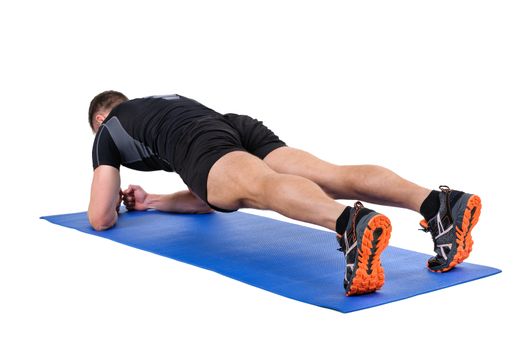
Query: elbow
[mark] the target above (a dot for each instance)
(101, 222)
(100, 226)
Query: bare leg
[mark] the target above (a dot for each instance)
(240, 179)
(369, 183)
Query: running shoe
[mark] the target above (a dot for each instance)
(366, 236)
(451, 228)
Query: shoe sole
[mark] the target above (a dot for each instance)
(369, 273)
(470, 217)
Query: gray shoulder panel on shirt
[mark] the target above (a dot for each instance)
(130, 149)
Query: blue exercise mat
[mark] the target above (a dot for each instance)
(283, 258)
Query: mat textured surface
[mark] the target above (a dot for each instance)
(287, 259)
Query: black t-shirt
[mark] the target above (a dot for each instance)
(142, 134)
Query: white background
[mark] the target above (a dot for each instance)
(434, 90)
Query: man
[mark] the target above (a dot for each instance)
(233, 161)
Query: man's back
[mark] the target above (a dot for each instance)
(142, 133)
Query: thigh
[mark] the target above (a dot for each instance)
(234, 178)
(288, 160)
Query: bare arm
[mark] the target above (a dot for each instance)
(105, 197)
(135, 198)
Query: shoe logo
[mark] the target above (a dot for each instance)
(440, 227)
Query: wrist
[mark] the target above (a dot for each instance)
(151, 200)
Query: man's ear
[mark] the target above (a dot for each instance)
(99, 118)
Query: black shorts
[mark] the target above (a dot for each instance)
(209, 138)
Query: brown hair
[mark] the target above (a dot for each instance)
(106, 100)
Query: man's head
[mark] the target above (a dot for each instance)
(101, 105)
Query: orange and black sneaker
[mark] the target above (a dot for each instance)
(366, 236)
(451, 228)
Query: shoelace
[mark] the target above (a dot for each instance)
(357, 207)
(447, 191)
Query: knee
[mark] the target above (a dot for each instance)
(353, 177)
(265, 190)
(335, 179)
(346, 180)
(256, 191)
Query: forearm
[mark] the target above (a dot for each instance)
(179, 202)
(105, 196)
